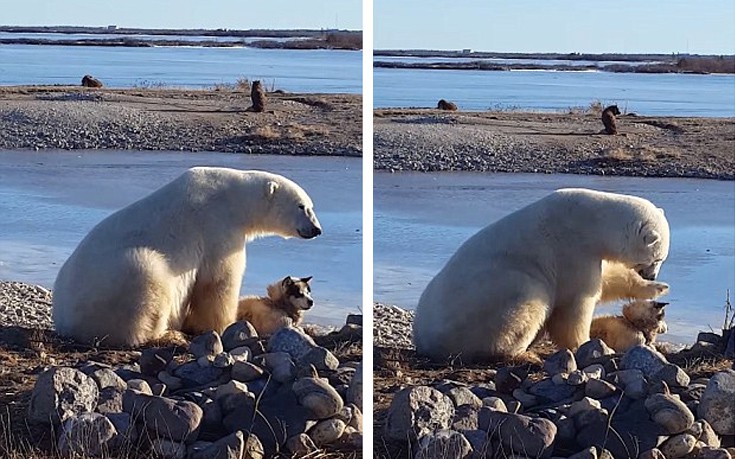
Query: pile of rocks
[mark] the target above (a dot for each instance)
(586, 405)
(231, 396)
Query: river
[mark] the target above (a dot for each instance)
(49, 200)
(421, 219)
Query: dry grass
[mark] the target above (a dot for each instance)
(294, 132)
(637, 154)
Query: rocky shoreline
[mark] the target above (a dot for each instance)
(217, 119)
(428, 140)
(589, 404)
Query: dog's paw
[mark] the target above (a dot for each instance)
(654, 289)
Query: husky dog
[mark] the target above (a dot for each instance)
(641, 321)
(608, 119)
(285, 305)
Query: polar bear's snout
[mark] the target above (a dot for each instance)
(310, 227)
(650, 272)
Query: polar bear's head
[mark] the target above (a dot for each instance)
(649, 243)
(288, 210)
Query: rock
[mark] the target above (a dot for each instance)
(702, 431)
(166, 418)
(140, 385)
(560, 362)
(495, 403)
(280, 365)
(231, 388)
(318, 397)
(246, 371)
(670, 413)
(716, 404)
(588, 453)
(193, 375)
(598, 388)
(354, 392)
(522, 435)
(418, 411)
(584, 405)
(527, 400)
(672, 375)
(633, 382)
(444, 444)
(238, 334)
(105, 377)
(635, 431)
(465, 418)
(126, 431)
(293, 341)
(644, 358)
(463, 396)
(713, 453)
(506, 380)
(707, 337)
(654, 453)
(241, 354)
(229, 447)
(321, 358)
(109, 400)
(594, 371)
(167, 449)
(327, 431)
(301, 445)
(550, 391)
(223, 360)
(153, 360)
(206, 345)
(61, 393)
(86, 435)
(589, 352)
(678, 446)
(172, 382)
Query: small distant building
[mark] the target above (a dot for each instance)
(112, 27)
(467, 51)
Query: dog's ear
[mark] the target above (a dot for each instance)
(287, 281)
(306, 280)
(659, 304)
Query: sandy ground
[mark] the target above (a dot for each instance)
(509, 141)
(39, 117)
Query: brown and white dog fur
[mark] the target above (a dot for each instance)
(640, 322)
(285, 305)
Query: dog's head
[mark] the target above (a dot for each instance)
(298, 292)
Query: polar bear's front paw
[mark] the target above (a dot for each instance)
(655, 289)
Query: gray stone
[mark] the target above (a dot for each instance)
(140, 385)
(702, 431)
(223, 360)
(192, 374)
(588, 453)
(241, 354)
(718, 399)
(418, 411)
(109, 400)
(246, 371)
(552, 392)
(465, 418)
(86, 435)
(518, 434)
(292, 341)
(576, 378)
(560, 362)
(589, 352)
(105, 377)
(207, 344)
(672, 375)
(280, 365)
(166, 418)
(678, 446)
(644, 358)
(463, 396)
(301, 445)
(495, 403)
(229, 447)
(153, 360)
(506, 380)
(172, 382)
(318, 397)
(633, 382)
(594, 371)
(167, 449)
(707, 337)
(635, 431)
(126, 432)
(598, 388)
(354, 392)
(327, 431)
(444, 444)
(230, 388)
(321, 358)
(670, 413)
(654, 453)
(238, 334)
(707, 452)
(61, 393)
(527, 400)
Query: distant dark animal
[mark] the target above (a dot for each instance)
(608, 119)
(257, 94)
(88, 81)
(444, 105)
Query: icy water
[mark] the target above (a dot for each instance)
(644, 94)
(421, 219)
(50, 200)
(328, 71)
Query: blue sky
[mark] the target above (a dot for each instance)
(232, 14)
(624, 26)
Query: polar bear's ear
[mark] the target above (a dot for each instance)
(661, 210)
(270, 188)
(651, 237)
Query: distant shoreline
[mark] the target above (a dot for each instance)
(623, 63)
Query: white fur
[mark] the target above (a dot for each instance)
(539, 266)
(174, 260)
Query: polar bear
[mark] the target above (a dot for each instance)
(175, 259)
(540, 266)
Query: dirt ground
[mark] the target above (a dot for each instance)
(214, 119)
(511, 141)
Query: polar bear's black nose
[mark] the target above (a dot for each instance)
(317, 231)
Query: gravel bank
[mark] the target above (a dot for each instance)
(430, 141)
(25, 305)
(392, 326)
(169, 119)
